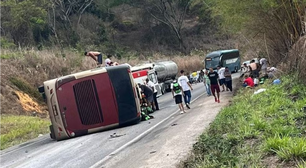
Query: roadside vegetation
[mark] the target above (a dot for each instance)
(19, 129)
(257, 130)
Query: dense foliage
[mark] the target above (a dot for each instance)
(268, 27)
(93, 24)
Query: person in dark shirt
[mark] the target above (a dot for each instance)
(213, 77)
(148, 92)
(228, 79)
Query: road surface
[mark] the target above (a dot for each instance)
(159, 142)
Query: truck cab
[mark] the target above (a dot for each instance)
(142, 72)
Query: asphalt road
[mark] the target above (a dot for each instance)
(98, 149)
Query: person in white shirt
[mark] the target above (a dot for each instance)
(108, 60)
(264, 65)
(152, 86)
(221, 77)
(186, 86)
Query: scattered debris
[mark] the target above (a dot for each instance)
(114, 135)
(276, 82)
(152, 152)
(174, 124)
(259, 91)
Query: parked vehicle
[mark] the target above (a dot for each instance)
(166, 72)
(91, 101)
(223, 58)
(142, 72)
(161, 74)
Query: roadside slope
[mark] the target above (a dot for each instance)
(257, 130)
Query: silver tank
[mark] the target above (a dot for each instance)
(166, 70)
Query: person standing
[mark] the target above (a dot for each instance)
(201, 76)
(186, 86)
(207, 83)
(97, 56)
(213, 77)
(176, 90)
(108, 61)
(254, 69)
(152, 86)
(228, 79)
(221, 77)
(264, 65)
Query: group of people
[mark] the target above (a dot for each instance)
(149, 95)
(214, 80)
(181, 88)
(97, 56)
(253, 71)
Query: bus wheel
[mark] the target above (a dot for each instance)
(52, 135)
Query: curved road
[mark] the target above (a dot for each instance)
(93, 149)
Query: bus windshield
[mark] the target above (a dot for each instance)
(212, 62)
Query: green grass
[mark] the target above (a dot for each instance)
(18, 129)
(255, 128)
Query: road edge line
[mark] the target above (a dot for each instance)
(109, 156)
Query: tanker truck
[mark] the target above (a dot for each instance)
(160, 73)
(166, 72)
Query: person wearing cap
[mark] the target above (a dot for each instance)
(186, 86)
(97, 56)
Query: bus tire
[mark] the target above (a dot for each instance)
(52, 134)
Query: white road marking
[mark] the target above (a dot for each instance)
(99, 163)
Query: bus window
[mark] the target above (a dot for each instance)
(230, 61)
(212, 62)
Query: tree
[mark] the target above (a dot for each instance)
(278, 22)
(22, 17)
(169, 12)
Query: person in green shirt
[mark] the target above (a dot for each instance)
(207, 83)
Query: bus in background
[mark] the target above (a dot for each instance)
(223, 58)
(91, 101)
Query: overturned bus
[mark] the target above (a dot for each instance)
(91, 101)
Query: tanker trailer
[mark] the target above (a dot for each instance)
(166, 72)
